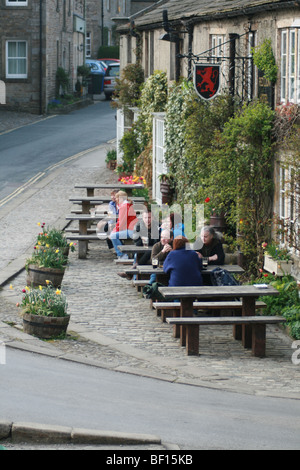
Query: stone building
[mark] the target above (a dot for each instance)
(102, 17)
(174, 35)
(36, 38)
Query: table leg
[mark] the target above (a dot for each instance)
(82, 244)
(192, 340)
(186, 310)
(259, 340)
(248, 309)
(90, 192)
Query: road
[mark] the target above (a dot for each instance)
(51, 391)
(32, 149)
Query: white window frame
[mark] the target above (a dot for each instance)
(292, 66)
(16, 75)
(284, 61)
(216, 43)
(16, 3)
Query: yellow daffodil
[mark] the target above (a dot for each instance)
(41, 287)
(27, 288)
(47, 245)
(56, 251)
(58, 292)
(11, 286)
(39, 224)
(47, 281)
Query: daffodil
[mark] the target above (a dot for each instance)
(11, 286)
(41, 287)
(58, 292)
(39, 224)
(47, 281)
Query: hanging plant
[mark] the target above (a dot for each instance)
(264, 60)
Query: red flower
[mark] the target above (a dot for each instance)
(207, 199)
(265, 275)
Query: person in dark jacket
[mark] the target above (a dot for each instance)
(212, 246)
(183, 265)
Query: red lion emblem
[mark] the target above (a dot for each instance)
(207, 80)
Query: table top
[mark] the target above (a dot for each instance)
(134, 249)
(88, 217)
(110, 186)
(216, 291)
(232, 268)
(101, 198)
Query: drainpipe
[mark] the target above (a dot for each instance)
(41, 56)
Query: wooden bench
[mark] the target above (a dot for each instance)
(247, 293)
(90, 187)
(165, 309)
(258, 326)
(140, 283)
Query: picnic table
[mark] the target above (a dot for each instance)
(253, 328)
(87, 202)
(90, 187)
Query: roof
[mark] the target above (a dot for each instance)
(201, 10)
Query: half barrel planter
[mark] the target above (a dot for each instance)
(37, 276)
(45, 327)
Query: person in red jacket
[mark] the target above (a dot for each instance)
(125, 223)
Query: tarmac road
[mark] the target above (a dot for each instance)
(47, 390)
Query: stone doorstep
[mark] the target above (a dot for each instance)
(42, 433)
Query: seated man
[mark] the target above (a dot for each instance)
(161, 249)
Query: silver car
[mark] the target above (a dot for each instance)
(112, 72)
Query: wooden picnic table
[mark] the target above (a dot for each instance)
(87, 202)
(90, 187)
(248, 294)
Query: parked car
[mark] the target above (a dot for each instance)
(96, 78)
(110, 61)
(112, 72)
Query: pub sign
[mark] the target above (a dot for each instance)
(207, 80)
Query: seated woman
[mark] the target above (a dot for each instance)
(212, 246)
(173, 222)
(183, 266)
(125, 223)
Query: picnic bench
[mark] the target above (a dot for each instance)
(247, 293)
(90, 187)
(256, 323)
(87, 202)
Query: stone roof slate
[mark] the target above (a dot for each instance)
(192, 9)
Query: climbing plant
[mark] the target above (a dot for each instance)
(264, 59)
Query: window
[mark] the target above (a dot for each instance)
(88, 40)
(290, 66)
(16, 59)
(217, 49)
(16, 3)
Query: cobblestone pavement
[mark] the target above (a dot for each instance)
(11, 120)
(112, 325)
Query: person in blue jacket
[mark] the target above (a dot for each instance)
(183, 265)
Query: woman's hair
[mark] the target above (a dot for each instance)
(179, 242)
(216, 235)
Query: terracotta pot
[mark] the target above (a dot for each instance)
(45, 327)
(218, 222)
(166, 192)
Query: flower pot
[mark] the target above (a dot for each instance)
(45, 327)
(166, 192)
(218, 222)
(278, 267)
(37, 276)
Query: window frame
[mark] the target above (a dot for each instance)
(16, 3)
(16, 75)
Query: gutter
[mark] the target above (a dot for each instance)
(41, 58)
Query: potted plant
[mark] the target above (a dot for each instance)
(53, 237)
(46, 263)
(215, 215)
(44, 311)
(111, 159)
(277, 260)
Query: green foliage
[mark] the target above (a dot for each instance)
(128, 86)
(286, 304)
(44, 301)
(48, 257)
(276, 252)
(62, 80)
(108, 52)
(264, 59)
(131, 148)
(53, 237)
(111, 155)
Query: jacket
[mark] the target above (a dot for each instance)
(184, 267)
(127, 217)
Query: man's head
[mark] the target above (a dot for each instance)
(166, 236)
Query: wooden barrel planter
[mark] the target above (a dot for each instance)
(166, 192)
(45, 327)
(37, 276)
(218, 222)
